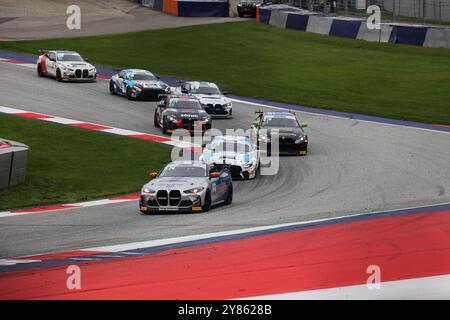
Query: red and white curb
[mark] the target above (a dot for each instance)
(92, 127)
(57, 207)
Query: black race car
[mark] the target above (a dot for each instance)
(181, 112)
(291, 137)
(248, 7)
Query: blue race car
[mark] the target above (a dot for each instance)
(137, 84)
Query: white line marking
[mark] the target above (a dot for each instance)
(338, 117)
(12, 262)
(436, 287)
(161, 242)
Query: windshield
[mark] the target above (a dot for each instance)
(230, 146)
(204, 90)
(143, 76)
(69, 57)
(279, 122)
(183, 170)
(184, 104)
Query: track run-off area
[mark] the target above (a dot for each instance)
(356, 165)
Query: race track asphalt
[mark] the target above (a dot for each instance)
(352, 167)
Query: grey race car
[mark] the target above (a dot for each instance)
(186, 186)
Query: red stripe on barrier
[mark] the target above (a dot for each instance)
(90, 126)
(33, 115)
(127, 197)
(13, 61)
(46, 208)
(442, 125)
(149, 137)
(404, 247)
(100, 76)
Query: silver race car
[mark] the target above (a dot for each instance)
(236, 152)
(186, 186)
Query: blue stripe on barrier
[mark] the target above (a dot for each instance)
(345, 28)
(408, 35)
(297, 21)
(203, 9)
(264, 15)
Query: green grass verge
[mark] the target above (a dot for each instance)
(70, 164)
(260, 61)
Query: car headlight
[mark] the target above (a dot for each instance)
(248, 164)
(194, 190)
(63, 67)
(92, 70)
(148, 191)
(229, 104)
(172, 118)
(300, 140)
(137, 88)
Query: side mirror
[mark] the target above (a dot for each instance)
(86, 59)
(214, 174)
(158, 77)
(184, 90)
(304, 125)
(153, 174)
(225, 93)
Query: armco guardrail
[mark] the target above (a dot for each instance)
(283, 16)
(13, 162)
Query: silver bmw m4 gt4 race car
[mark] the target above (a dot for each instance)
(65, 66)
(186, 186)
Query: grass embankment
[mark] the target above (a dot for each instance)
(256, 60)
(70, 164)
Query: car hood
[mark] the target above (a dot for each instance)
(187, 113)
(76, 64)
(151, 84)
(177, 183)
(286, 131)
(226, 157)
(212, 98)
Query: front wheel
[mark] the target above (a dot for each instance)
(129, 94)
(229, 198)
(39, 71)
(207, 204)
(112, 90)
(155, 120)
(58, 75)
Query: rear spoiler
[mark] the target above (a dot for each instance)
(42, 51)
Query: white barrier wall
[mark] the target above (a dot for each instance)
(278, 19)
(381, 35)
(321, 25)
(437, 38)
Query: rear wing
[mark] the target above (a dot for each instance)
(43, 51)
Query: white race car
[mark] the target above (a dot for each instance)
(236, 152)
(211, 98)
(65, 66)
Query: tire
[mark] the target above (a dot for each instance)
(229, 198)
(39, 70)
(111, 88)
(164, 130)
(144, 213)
(207, 205)
(58, 75)
(155, 121)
